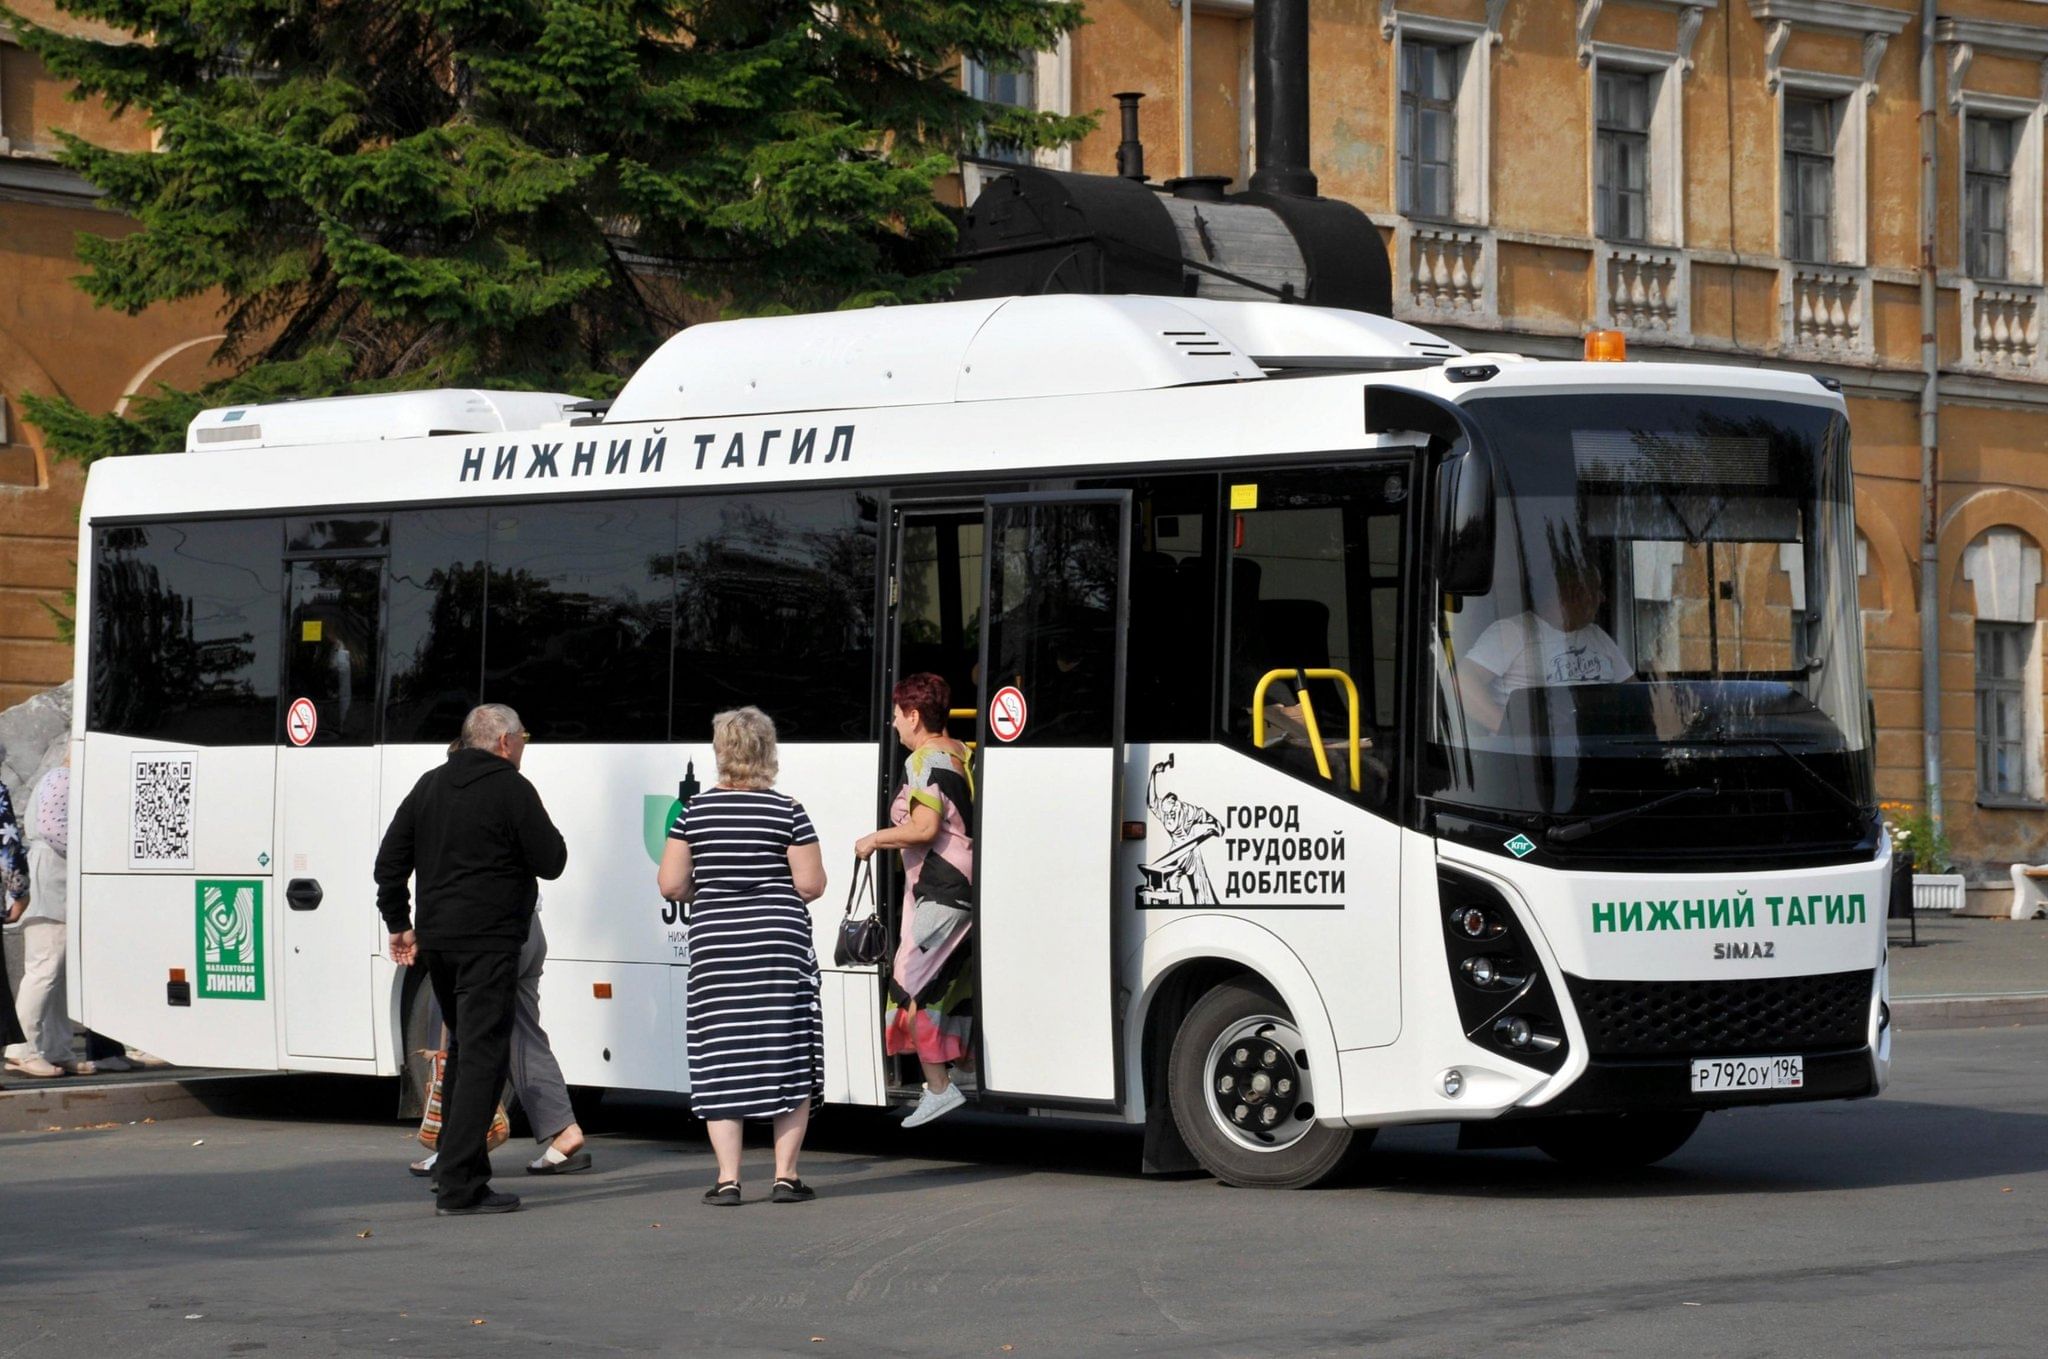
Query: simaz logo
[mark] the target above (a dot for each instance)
(1762, 948)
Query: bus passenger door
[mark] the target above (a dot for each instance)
(1051, 736)
(327, 798)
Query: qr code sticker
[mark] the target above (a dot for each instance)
(161, 826)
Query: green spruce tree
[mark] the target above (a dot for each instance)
(396, 194)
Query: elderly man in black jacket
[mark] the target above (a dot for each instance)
(475, 834)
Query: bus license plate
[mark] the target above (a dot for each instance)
(1718, 1074)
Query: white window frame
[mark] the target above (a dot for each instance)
(1665, 219)
(1472, 197)
(2023, 203)
(1852, 168)
(2004, 566)
(1053, 84)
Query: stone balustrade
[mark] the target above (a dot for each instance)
(1645, 291)
(1446, 275)
(2001, 330)
(1826, 310)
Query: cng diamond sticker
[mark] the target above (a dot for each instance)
(230, 940)
(1521, 846)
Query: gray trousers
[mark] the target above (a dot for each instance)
(536, 1075)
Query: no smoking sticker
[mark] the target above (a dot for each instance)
(300, 721)
(1006, 713)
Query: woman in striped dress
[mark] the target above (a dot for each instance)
(746, 860)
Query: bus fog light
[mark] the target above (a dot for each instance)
(1454, 1083)
(1514, 1031)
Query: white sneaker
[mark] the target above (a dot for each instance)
(931, 1106)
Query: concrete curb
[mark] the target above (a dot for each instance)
(1970, 1011)
(81, 1107)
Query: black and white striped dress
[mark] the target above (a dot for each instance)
(755, 1029)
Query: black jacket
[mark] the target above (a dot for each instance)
(475, 833)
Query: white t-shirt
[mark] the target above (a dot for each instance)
(1530, 651)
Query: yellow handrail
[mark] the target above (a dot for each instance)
(955, 714)
(1308, 713)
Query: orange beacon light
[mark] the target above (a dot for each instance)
(1606, 346)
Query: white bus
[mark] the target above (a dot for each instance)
(1397, 734)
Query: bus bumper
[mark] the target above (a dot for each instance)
(1616, 1085)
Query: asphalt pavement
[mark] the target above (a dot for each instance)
(285, 1222)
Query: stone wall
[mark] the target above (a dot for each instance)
(32, 740)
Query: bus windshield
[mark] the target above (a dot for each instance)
(1672, 613)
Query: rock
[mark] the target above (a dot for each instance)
(32, 740)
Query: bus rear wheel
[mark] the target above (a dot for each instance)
(1616, 1141)
(1242, 1095)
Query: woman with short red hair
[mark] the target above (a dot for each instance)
(931, 990)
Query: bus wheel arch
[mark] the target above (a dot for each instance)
(1212, 979)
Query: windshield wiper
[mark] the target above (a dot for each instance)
(1593, 825)
(1813, 776)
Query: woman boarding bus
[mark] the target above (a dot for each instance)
(1363, 732)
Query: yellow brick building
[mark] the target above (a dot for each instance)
(1724, 180)
(53, 341)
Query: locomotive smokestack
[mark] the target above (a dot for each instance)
(1280, 114)
(1130, 152)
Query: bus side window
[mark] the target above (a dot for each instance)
(576, 635)
(1170, 654)
(1315, 585)
(434, 626)
(185, 626)
(775, 606)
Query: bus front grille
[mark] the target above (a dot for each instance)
(1723, 1018)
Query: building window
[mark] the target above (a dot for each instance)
(1622, 175)
(1808, 189)
(1013, 83)
(1428, 130)
(1987, 195)
(2002, 708)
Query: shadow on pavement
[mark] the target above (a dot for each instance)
(1799, 1148)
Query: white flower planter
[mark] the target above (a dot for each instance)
(1938, 891)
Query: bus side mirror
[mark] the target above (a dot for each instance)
(1464, 539)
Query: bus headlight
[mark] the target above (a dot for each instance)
(1489, 973)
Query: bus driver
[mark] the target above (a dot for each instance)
(1559, 642)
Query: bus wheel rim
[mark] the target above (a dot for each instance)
(1258, 1091)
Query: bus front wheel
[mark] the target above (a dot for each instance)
(1616, 1141)
(1242, 1094)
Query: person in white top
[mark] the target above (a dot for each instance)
(40, 1005)
(1559, 643)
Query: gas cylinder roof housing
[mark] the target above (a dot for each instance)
(997, 349)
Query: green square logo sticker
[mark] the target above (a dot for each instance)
(230, 940)
(1521, 846)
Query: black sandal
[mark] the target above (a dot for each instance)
(724, 1194)
(792, 1191)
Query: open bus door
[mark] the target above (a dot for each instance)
(1054, 612)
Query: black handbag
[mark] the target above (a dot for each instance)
(863, 940)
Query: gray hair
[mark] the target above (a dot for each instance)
(743, 741)
(486, 723)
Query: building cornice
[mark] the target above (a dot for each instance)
(1691, 14)
(1832, 16)
(1986, 35)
